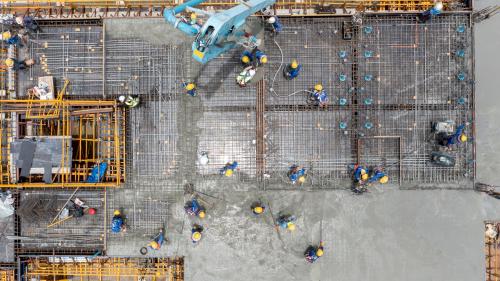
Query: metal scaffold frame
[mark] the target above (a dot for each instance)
(94, 131)
(99, 268)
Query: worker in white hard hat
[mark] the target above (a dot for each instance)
(275, 24)
(129, 101)
(28, 22)
(435, 10)
(203, 158)
(313, 253)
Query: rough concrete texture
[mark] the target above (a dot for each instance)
(487, 44)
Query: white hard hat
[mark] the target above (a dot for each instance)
(438, 5)
(271, 20)
(203, 159)
(121, 98)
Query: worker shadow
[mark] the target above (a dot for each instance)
(211, 81)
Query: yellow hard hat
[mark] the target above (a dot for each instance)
(263, 59)
(258, 210)
(294, 64)
(154, 245)
(363, 171)
(319, 252)
(196, 236)
(463, 138)
(228, 173)
(318, 87)
(364, 177)
(384, 179)
(302, 179)
(116, 213)
(290, 226)
(6, 35)
(9, 62)
(193, 16)
(189, 86)
(245, 59)
(201, 214)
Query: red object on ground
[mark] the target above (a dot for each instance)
(91, 211)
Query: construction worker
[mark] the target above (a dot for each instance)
(359, 173)
(286, 222)
(203, 158)
(196, 232)
(157, 241)
(313, 253)
(255, 57)
(10, 39)
(246, 76)
(246, 58)
(257, 208)
(292, 70)
(19, 65)
(194, 208)
(378, 175)
(193, 19)
(297, 173)
(229, 168)
(433, 11)
(189, 88)
(28, 22)
(275, 22)
(129, 101)
(259, 57)
(118, 222)
(319, 96)
(458, 137)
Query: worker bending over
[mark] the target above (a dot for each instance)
(378, 175)
(257, 208)
(194, 208)
(313, 253)
(275, 23)
(286, 222)
(434, 11)
(246, 76)
(157, 241)
(297, 173)
(229, 168)
(196, 231)
(458, 137)
(255, 57)
(118, 222)
(19, 65)
(292, 70)
(10, 39)
(319, 96)
(129, 101)
(190, 88)
(360, 177)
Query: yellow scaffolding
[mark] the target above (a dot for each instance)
(7, 275)
(378, 5)
(105, 268)
(92, 132)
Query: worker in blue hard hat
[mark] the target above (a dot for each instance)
(117, 222)
(313, 253)
(189, 88)
(194, 208)
(318, 97)
(297, 174)
(228, 169)
(292, 70)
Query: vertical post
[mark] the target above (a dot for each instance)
(104, 60)
(259, 134)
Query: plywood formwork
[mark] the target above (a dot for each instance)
(94, 133)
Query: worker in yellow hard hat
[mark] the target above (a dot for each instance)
(292, 70)
(463, 138)
(10, 39)
(378, 175)
(157, 241)
(19, 65)
(260, 57)
(117, 222)
(190, 88)
(246, 57)
(286, 222)
(297, 173)
(194, 208)
(318, 96)
(196, 232)
(313, 253)
(193, 18)
(257, 208)
(6, 35)
(229, 169)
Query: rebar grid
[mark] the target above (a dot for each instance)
(71, 236)
(72, 52)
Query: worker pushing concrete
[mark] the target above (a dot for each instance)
(292, 70)
(189, 88)
(196, 233)
(432, 12)
(257, 208)
(118, 222)
(129, 101)
(19, 65)
(157, 241)
(286, 222)
(313, 253)
(255, 57)
(297, 174)
(229, 168)
(194, 208)
(318, 97)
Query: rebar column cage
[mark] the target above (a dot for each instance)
(92, 132)
(492, 255)
(97, 268)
